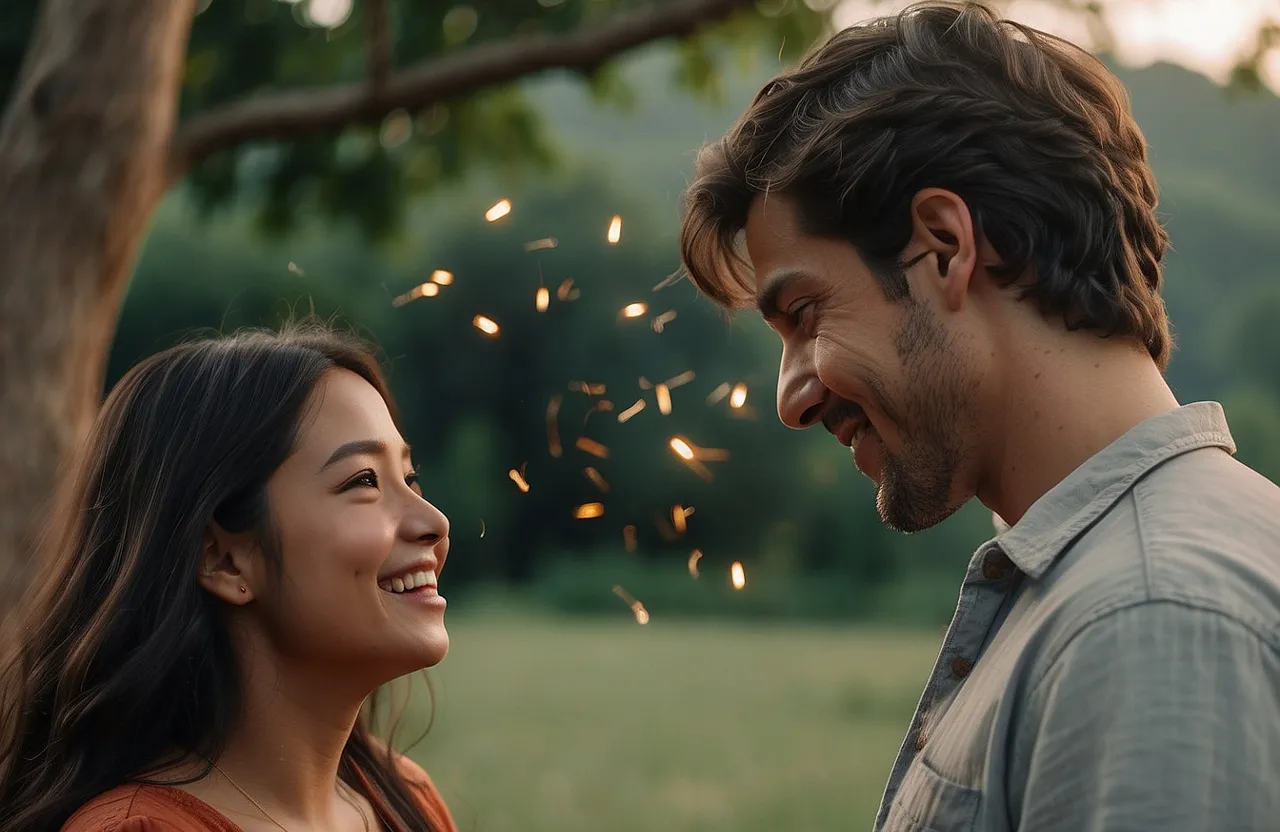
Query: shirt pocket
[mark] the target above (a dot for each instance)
(928, 802)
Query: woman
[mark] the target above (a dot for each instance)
(241, 557)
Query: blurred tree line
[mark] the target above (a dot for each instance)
(788, 505)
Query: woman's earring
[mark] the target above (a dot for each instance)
(243, 589)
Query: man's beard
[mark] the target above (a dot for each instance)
(915, 488)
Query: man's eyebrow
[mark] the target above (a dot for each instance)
(771, 292)
(367, 447)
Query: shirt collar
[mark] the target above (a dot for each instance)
(1071, 506)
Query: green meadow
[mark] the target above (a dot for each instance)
(579, 724)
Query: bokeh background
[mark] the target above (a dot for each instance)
(777, 705)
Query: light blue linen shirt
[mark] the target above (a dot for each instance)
(1114, 659)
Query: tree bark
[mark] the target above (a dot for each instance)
(84, 147)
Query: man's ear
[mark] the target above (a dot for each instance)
(227, 566)
(942, 234)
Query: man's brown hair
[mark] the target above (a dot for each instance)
(1032, 132)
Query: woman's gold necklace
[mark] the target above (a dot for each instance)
(355, 805)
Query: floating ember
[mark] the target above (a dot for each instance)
(615, 230)
(641, 614)
(422, 290)
(711, 454)
(296, 269)
(486, 325)
(601, 404)
(498, 210)
(678, 521)
(442, 277)
(718, 394)
(539, 245)
(592, 447)
(566, 292)
(629, 538)
(553, 431)
(588, 388)
(679, 380)
(694, 557)
(587, 511)
(631, 411)
(519, 480)
(738, 397)
(664, 398)
(737, 575)
(634, 310)
(597, 479)
(542, 299)
(662, 320)
(682, 447)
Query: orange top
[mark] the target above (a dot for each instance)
(140, 807)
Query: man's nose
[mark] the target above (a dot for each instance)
(801, 395)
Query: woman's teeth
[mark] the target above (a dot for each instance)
(405, 583)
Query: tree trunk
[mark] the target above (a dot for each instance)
(83, 152)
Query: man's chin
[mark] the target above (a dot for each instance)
(907, 510)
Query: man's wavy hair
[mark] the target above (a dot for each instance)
(1032, 132)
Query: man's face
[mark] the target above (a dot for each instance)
(885, 377)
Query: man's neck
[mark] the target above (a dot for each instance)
(1060, 403)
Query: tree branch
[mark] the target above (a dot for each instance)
(377, 45)
(292, 113)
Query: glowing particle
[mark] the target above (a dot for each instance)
(645, 384)
(442, 277)
(296, 269)
(634, 310)
(662, 320)
(737, 575)
(694, 557)
(631, 411)
(738, 397)
(486, 325)
(542, 299)
(615, 229)
(422, 290)
(482, 527)
(566, 292)
(637, 608)
(588, 388)
(679, 380)
(664, 399)
(596, 479)
(587, 511)
(711, 454)
(601, 404)
(718, 394)
(539, 245)
(682, 448)
(553, 431)
(592, 447)
(498, 210)
(670, 279)
(519, 480)
(629, 538)
(678, 521)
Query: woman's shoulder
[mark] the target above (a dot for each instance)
(139, 807)
(433, 805)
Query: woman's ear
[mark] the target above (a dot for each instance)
(226, 568)
(942, 229)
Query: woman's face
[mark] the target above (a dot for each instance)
(361, 549)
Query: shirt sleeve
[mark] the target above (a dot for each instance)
(1155, 716)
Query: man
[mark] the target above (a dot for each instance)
(950, 221)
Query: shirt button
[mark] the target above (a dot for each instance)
(961, 667)
(995, 566)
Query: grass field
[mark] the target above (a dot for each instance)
(569, 725)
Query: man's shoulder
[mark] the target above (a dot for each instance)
(1201, 532)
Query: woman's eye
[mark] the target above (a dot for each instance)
(365, 479)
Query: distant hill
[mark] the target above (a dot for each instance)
(1214, 153)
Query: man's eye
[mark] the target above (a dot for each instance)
(802, 316)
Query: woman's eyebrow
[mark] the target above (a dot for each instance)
(367, 447)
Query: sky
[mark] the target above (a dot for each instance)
(1206, 36)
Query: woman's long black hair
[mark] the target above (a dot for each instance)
(118, 663)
